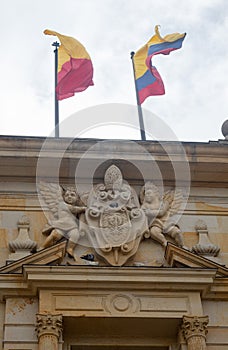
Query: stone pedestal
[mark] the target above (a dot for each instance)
(49, 330)
(194, 330)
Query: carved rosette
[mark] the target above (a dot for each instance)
(121, 303)
(194, 330)
(49, 326)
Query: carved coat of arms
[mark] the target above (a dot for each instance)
(116, 222)
(110, 219)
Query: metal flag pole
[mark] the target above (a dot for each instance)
(140, 114)
(56, 45)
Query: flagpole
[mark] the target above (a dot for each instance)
(56, 45)
(140, 113)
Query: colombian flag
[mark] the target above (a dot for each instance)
(75, 69)
(148, 80)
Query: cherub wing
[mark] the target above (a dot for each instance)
(51, 195)
(133, 201)
(83, 199)
(142, 194)
(175, 199)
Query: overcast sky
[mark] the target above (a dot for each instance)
(196, 101)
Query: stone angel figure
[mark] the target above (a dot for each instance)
(65, 208)
(159, 210)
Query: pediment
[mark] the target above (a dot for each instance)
(53, 255)
(175, 256)
(180, 257)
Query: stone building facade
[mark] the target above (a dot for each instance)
(135, 258)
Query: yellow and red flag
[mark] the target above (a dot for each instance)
(75, 69)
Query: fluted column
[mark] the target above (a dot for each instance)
(49, 330)
(194, 330)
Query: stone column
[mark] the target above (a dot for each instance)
(194, 330)
(49, 330)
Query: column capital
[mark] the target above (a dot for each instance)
(48, 324)
(193, 326)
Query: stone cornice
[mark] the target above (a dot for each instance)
(143, 279)
(22, 153)
(36, 277)
(219, 289)
(28, 143)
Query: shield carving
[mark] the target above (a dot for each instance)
(115, 227)
(116, 235)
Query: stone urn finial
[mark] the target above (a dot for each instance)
(22, 245)
(204, 247)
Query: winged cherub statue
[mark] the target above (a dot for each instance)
(64, 211)
(158, 210)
